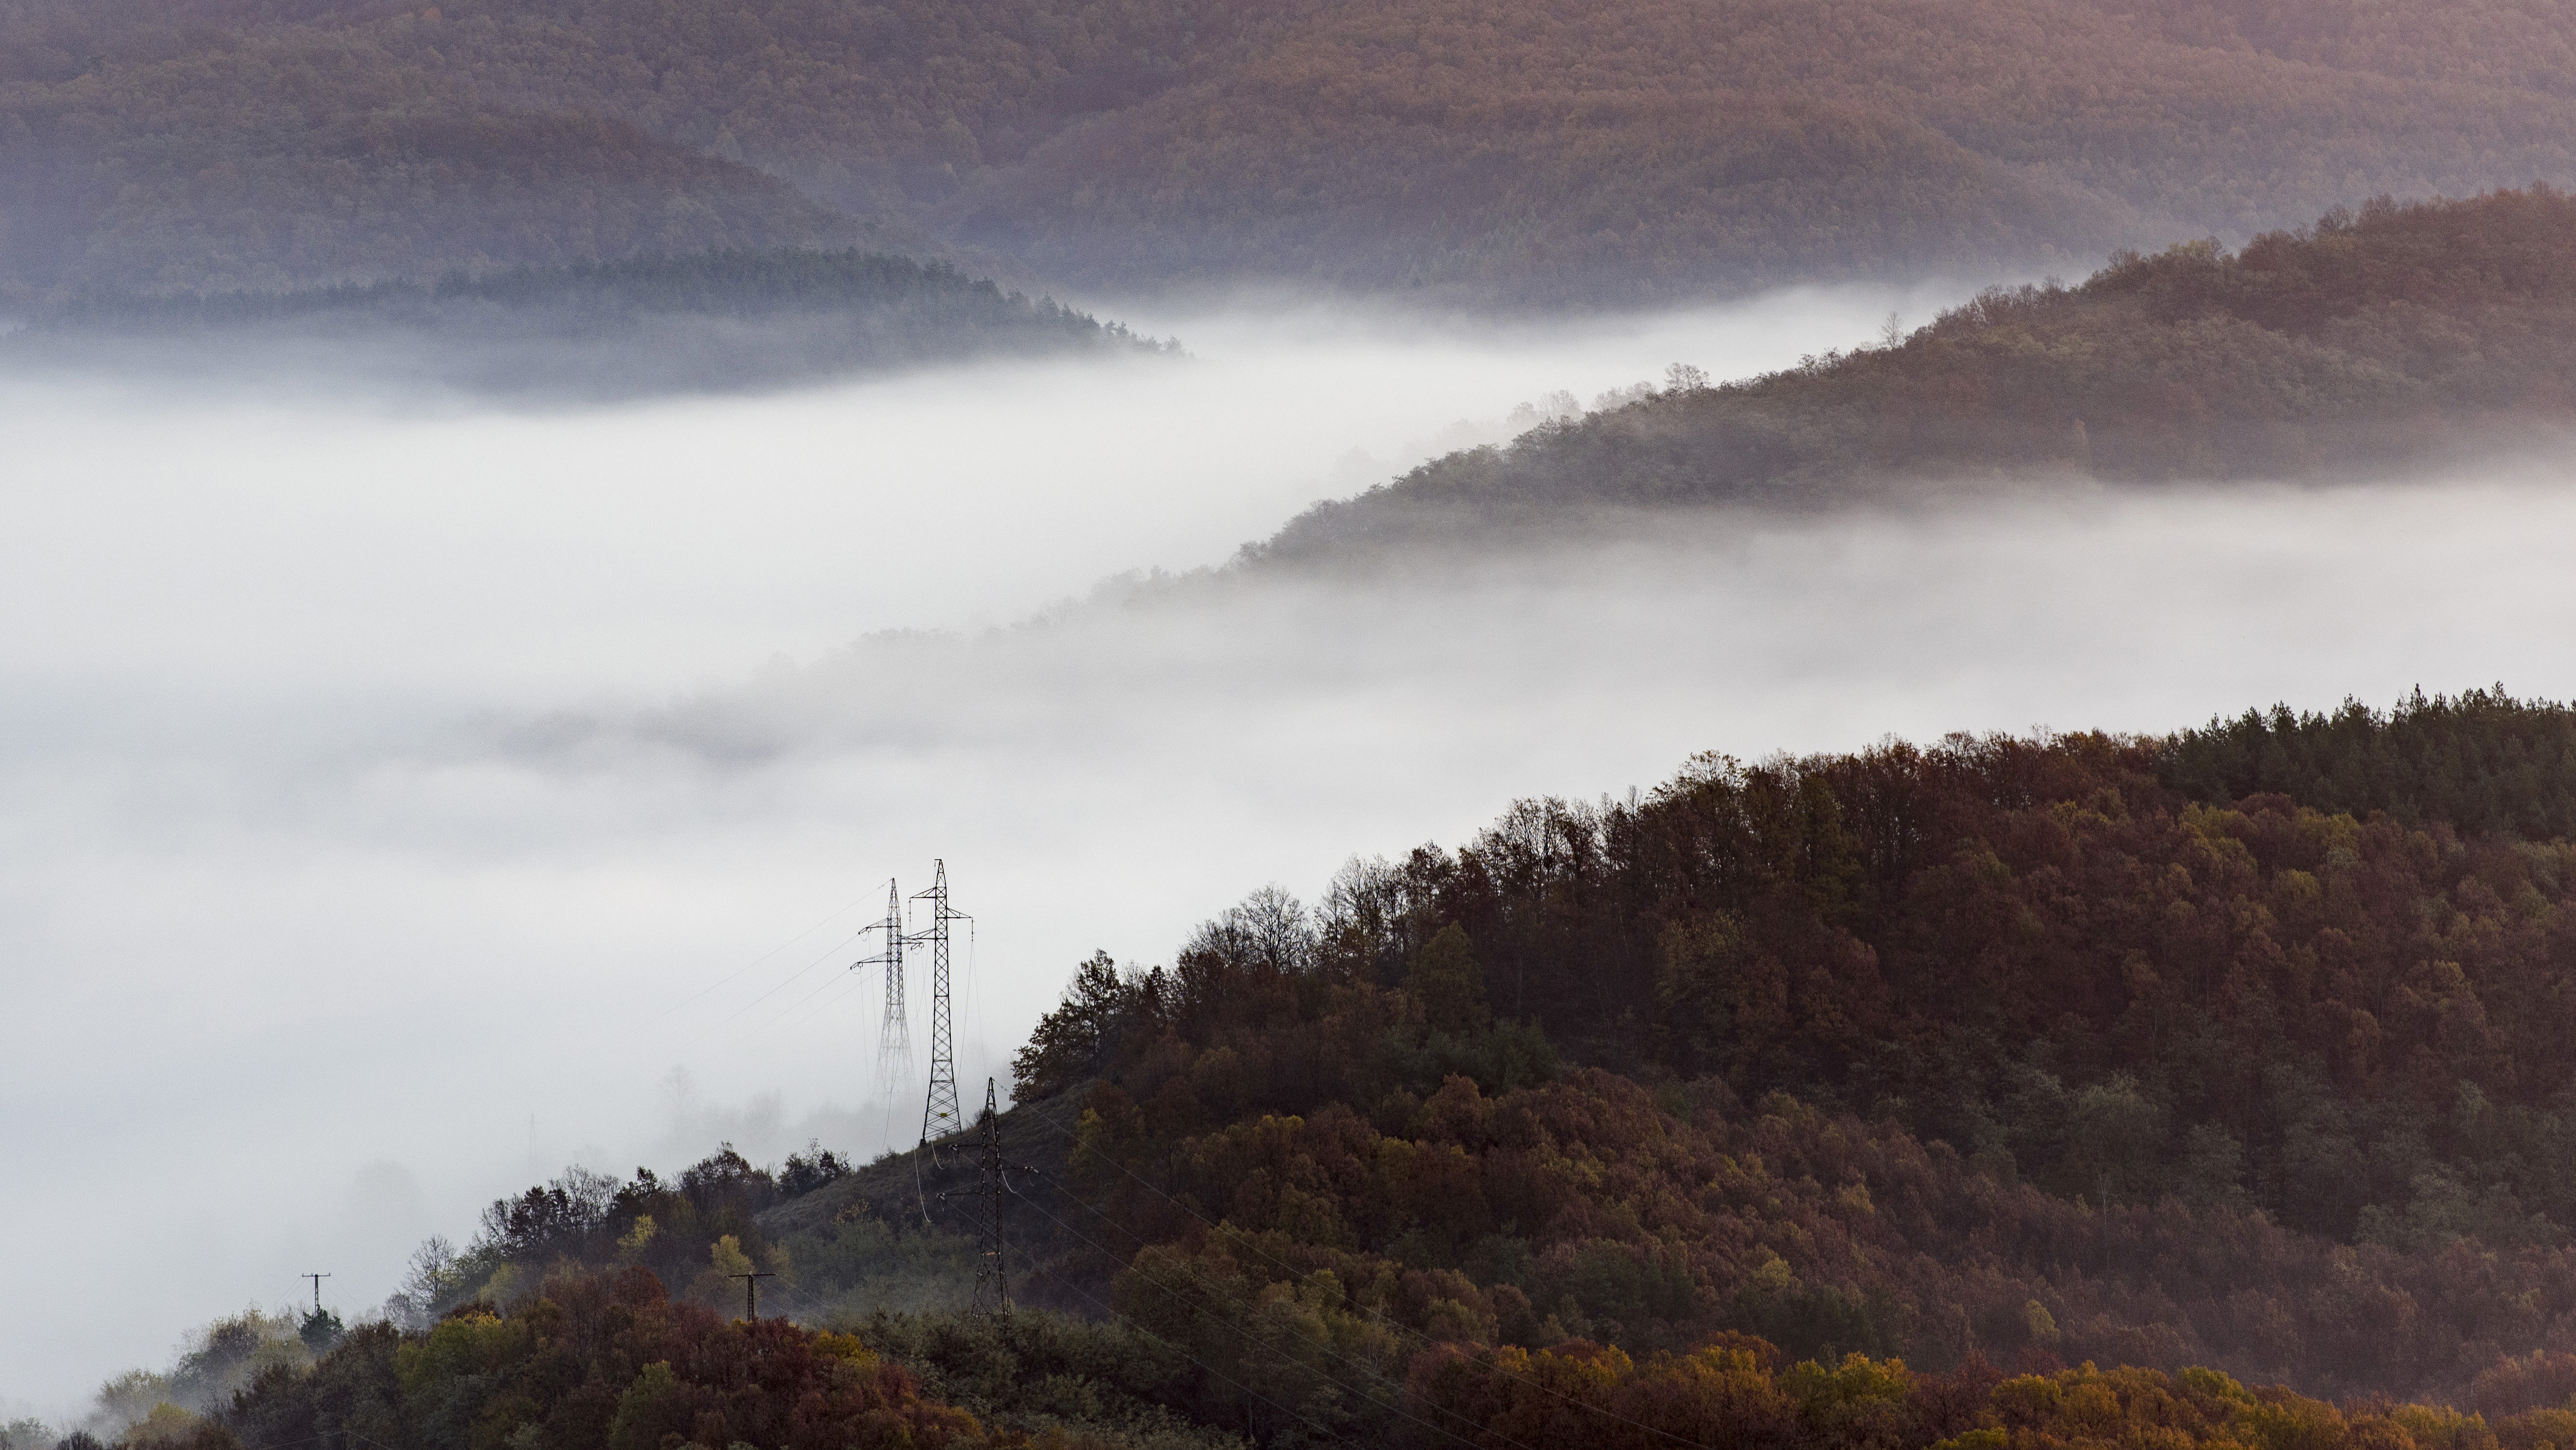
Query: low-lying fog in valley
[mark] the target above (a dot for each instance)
(407, 798)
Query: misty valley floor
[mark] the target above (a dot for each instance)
(534, 786)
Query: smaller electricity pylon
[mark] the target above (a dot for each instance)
(894, 1040)
(992, 1273)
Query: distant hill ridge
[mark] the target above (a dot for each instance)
(719, 283)
(634, 325)
(1513, 153)
(2370, 342)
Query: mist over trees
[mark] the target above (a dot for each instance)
(2209, 1089)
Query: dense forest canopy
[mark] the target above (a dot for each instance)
(2372, 341)
(1517, 152)
(2240, 1047)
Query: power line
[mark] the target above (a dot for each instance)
(728, 977)
(789, 980)
(791, 1009)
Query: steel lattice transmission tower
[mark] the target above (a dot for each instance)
(992, 1272)
(894, 1040)
(940, 1116)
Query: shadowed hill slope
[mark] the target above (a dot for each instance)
(1520, 152)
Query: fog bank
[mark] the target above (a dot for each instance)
(400, 807)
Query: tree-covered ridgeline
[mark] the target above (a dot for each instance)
(2384, 341)
(598, 294)
(2482, 762)
(2332, 940)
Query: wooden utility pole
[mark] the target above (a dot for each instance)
(751, 1291)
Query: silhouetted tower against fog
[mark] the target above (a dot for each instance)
(939, 1116)
(894, 1041)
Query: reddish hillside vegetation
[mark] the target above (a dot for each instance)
(1516, 152)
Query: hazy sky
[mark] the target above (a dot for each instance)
(400, 800)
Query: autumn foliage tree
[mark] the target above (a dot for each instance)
(602, 1360)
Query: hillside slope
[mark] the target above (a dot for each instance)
(1518, 152)
(306, 159)
(2366, 344)
(2238, 1048)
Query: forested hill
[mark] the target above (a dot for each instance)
(2367, 343)
(1512, 151)
(2239, 1048)
(1841, 1102)
(711, 320)
(2242, 1047)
